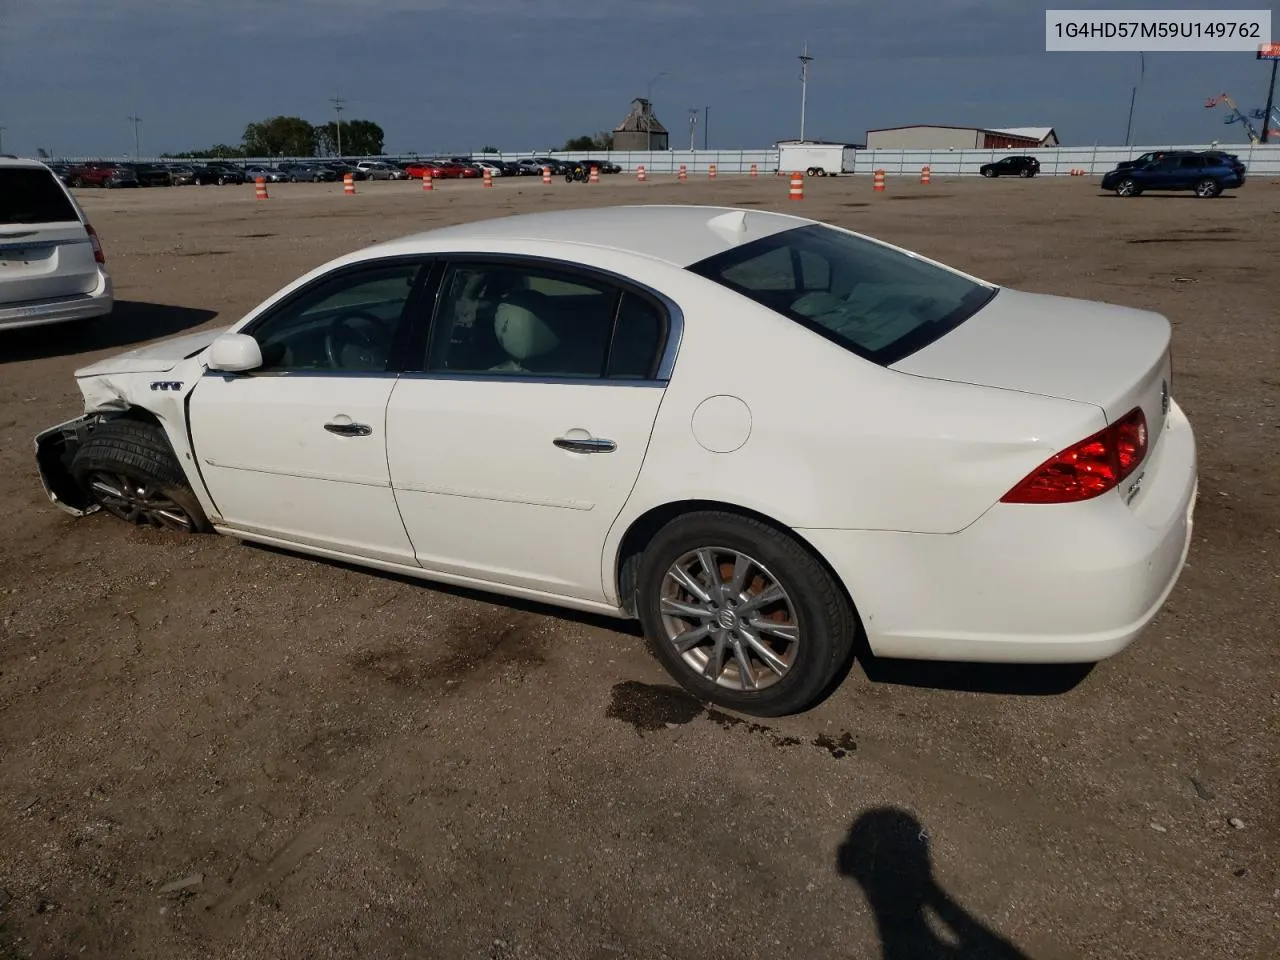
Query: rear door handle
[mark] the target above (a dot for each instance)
(349, 429)
(587, 445)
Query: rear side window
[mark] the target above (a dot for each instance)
(33, 195)
(879, 303)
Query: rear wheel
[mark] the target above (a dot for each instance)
(1027, 173)
(128, 468)
(1208, 188)
(742, 615)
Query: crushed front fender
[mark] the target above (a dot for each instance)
(54, 449)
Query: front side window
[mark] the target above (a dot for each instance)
(347, 323)
(881, 304)
(531, 321)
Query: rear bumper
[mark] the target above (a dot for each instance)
(1072, 583)
(62, 310)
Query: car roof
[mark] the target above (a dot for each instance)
(678, 234)
(25, 162)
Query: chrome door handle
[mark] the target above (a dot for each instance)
(349, 429)
(590, 445)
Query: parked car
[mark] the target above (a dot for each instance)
(183, 174)
(925, 441)
(152, 175)
(342, 169)
(495, 169)
(381, 170)
(269, 174)
(1011, 167)
(102, 174)
(61, 170)
(604, 166)
(1206, 174)
(219, 174)
(52, 268)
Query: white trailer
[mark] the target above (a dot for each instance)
(816, 159)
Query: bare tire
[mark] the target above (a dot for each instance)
(742, 615)
(128, 468)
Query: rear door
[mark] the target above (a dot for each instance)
(45, 250)
(515, 445)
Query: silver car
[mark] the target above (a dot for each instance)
(381, 170)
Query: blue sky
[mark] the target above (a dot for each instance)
(455, 75)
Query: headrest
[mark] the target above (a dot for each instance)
(520, 322)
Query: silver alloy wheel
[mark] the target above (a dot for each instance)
(1206, 188)
(1125, 188)
(729, 618)
(138, 501)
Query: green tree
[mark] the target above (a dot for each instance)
(360, 138)
(579, 143)
(276, 136)
(219, 151)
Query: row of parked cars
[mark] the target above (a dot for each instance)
(112, 174)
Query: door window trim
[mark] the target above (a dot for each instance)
(423, 288)
(668, 310)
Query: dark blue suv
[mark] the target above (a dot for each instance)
(1208, 174)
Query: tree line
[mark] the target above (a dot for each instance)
(297, 137)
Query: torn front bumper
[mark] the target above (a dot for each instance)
(54, 449)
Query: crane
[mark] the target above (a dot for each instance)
(1236, 116)
(1272, 122)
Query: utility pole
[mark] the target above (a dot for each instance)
(648, 111)
(693, 128)
(2, 130)
(706, 126)
(137, 141)
(337, 102)
(1133, 95)
(805, 60)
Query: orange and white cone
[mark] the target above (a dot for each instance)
(260, 188)
(684, 173)
(755, 171)
(711, 172)
(546, 174)
(488, 177)
(595, 175)
(879, 181)
(640, 174)
(427, 179)
(349, 184)
(924, 173)
(797, 187)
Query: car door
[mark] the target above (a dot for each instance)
(516, 443)
(1163, 175)
(1190, 171)
(296, 449)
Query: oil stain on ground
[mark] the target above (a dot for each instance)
(653, 707)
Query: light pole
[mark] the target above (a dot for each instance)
(648, 114)
(693, 129)
(337, 102)
(805, 60)
(137, 140)
(2, 130)
(1133, 96)
(1271, 94)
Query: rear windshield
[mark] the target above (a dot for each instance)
(32, 195)
(879, 303)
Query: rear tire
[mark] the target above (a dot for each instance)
(128, 468)
(1208, 188)
(794, 646)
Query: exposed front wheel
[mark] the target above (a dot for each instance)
(743, 615)
(128, 468)
(988, 174)
(1208, 188)
(1127, 188)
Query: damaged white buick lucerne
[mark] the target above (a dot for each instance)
(769, 439)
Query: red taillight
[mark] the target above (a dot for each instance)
(1089, 468)
(98, 255)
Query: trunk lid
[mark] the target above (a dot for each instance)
(1113, 357)
(45, 250)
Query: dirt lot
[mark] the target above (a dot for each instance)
(215, 750)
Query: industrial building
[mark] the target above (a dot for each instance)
(640, 130)
(926, 136)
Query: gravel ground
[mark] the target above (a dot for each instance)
(216, 750)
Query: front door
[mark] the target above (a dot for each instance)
(297, 449)
(516, 444)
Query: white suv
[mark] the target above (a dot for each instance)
(52, 269)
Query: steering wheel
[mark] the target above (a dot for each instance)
(343, 332)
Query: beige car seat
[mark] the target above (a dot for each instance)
(524, 324)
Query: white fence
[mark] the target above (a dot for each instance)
(1261, 159)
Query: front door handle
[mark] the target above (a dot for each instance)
(349, 429)
(585, 445)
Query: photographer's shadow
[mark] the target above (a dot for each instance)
(887, 852)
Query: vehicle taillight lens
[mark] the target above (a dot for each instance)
(1089, 468)
(98, 255)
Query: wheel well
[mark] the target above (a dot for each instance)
(645, 527)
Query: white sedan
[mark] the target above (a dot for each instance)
(766, 437)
